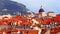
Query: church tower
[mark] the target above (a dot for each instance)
(42, 12)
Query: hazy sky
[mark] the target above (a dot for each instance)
(48, 5)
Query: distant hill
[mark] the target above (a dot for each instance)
(11, 7)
